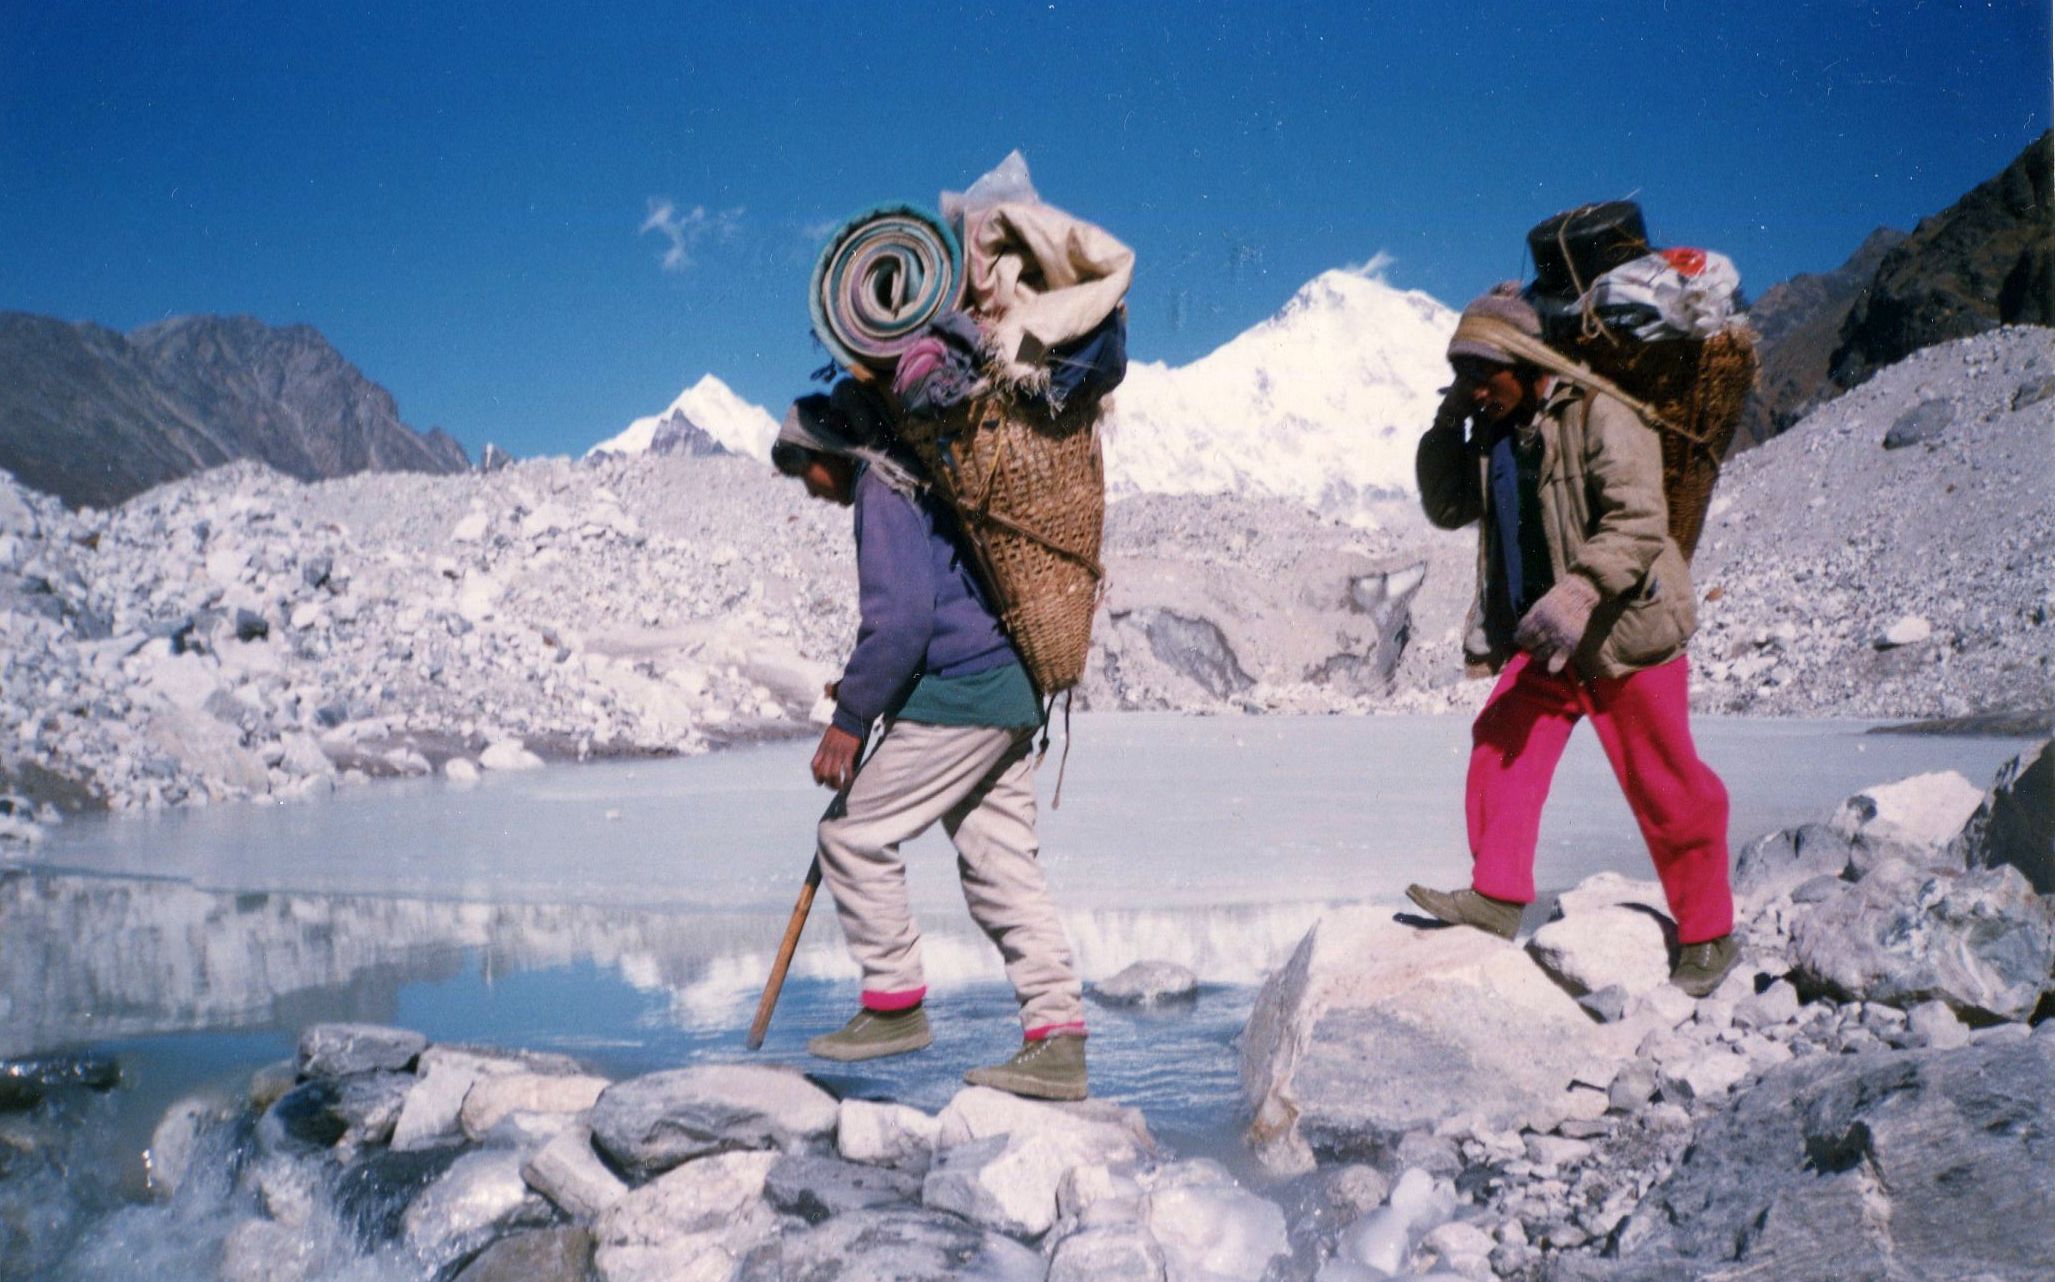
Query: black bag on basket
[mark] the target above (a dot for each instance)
(1579, 245)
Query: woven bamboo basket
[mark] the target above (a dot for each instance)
(1697, 386)
(1030, 490)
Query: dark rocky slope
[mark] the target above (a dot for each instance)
(94, 417)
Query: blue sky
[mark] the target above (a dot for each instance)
(456, 193)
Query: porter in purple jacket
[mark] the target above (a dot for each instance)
(923, 610)
(959, 712)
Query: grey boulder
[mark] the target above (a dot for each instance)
(535, 1255)
(2016, 822)
(1374, 1029)
(650, 1124)
(1781, 862)
(814, 1188)
(1108, 1253)
(1903, 1164)
(697, 1222)
(1609, 932)
(337, 1050)
(1914, 819)
(480, 1196)
(1923, 424)
(1981, 941)
(1147, 983)
(570, 1174)
(446, 1075)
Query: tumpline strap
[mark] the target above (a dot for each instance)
(1510, 338)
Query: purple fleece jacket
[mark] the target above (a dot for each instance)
(923, 612)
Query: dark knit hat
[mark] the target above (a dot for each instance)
(1503, 305)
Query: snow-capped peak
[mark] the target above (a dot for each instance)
(715, 409)
(1323, 402)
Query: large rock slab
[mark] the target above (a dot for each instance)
(1913, 819)
(337, 1050)
(1609, 932)
(978, 1112)
(2015, 824)
(650, 1124)
(695, 1224)
(1981, 941)
(1899, 1164)
(493, 1099)
(1374, 1029)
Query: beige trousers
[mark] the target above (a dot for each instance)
(979, 782)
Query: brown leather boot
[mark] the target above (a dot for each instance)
(1466, 907)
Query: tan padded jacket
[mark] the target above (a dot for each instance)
(1604, 516)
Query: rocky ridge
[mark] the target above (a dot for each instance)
(1987, 260)
(1798, 326)
(240, 634)
(1889, 556)
(94, 417)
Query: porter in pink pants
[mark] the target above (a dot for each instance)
(1643, 721)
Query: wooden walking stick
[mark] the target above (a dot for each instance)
(786, 947)
(790, 944)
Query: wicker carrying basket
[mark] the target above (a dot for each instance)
(1697, 386)
(1030, 490)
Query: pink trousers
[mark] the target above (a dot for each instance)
(1644, 722)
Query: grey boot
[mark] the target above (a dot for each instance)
(1051, 1068)
(874, 1034)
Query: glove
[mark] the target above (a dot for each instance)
(1555, 624)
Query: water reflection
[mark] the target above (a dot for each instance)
(87, 958)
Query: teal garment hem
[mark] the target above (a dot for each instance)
(1001, 697)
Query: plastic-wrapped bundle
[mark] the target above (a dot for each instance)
(1672, 293)
(885, 274)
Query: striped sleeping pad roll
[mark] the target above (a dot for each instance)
(884, 275)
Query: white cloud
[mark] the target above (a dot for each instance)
(685, 231)
(1375, 266)
(817, 233)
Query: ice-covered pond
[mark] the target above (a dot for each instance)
(627, 912)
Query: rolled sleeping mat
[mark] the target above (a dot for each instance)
(884, 275)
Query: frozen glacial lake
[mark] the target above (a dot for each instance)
(627, 912)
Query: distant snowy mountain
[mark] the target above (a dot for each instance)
(1322, 403)
(709, 406)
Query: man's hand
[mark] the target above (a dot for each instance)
(834, 762)
(1555, 624)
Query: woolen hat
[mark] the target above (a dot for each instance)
(1507, 308)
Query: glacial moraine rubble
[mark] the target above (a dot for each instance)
(1428, 1104)
(239, 634)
